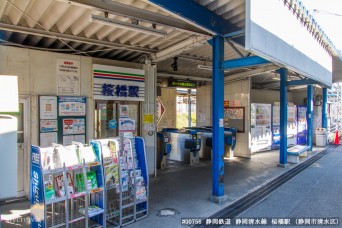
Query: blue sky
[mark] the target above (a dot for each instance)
(331, 24)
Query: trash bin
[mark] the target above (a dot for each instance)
(321, 137)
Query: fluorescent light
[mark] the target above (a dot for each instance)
(204, 67)
(126, 25)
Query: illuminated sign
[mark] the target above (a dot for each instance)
(182, 83)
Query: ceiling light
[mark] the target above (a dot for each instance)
(207, 67)
(126, 25)
(204, 67)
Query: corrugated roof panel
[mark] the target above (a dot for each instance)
(53, 13)
(37, 10)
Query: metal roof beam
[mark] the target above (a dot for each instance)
(250, 73)
(177, 76)
(139, 14)
(55, 35)
(178, 48)
(301, 82)
(244, 62)
(198, 15)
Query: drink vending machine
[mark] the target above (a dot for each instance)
(302, 125)
(291, 125)
(261, 116)
(275, 127)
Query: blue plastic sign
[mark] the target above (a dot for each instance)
(36, 190)
(112, 124)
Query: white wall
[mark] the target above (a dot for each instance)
(235, 91)
(36, 71)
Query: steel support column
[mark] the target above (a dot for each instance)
(217, 120)
(309, 115)
(324, 108)
(283, 117)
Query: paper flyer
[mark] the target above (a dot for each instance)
(124, 111)
(46, 139)
(126, 125)
(48, 125)
(68, 126)
(48, 107)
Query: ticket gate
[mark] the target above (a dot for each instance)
(163, 149)
(185, 145)
(205, 134)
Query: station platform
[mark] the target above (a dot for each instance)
(182, 190)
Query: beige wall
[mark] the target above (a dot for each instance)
(168, 98)
(235, 91)
(203, 108)
(36, 71)
(268, 96)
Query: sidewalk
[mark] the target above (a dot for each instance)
(315, 193)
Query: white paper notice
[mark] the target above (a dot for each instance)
(68, 77)
(48, 107)
(221, 122)
(67, 140)
(80, 138)
(46, 139)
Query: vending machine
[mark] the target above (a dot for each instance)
(291, 125)
(261, 131)
(301, 125)
(275, 127)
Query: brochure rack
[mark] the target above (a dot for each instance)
(126, 179)
(87, 186)
(67, 187)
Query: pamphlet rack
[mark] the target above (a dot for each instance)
(67, 187)
(89, 186)
(126, 179)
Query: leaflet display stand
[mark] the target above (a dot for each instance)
(67, 187)
(126, 179)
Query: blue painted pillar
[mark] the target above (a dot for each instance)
(324, 108)
(309, 115)
(283, 116)
(218, 115)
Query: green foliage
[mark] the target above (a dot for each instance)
(182, 120)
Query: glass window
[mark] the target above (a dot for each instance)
(107, 112)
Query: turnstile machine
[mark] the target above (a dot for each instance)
(185, 145)
(205, 134)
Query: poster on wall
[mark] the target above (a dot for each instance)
(126, 125)
(72, 106)
(68, 77)
(124, 111)
(73, 126)
(68, 127)
(48, 125)
(46, 139)
(48, 107)
(234, 113)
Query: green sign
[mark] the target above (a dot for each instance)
(182, 84)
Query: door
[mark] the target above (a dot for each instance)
(21, 148)
(109, 112)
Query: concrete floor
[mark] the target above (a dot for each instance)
(187, 189)
(314, 193)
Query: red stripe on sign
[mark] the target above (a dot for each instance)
(118, 76)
